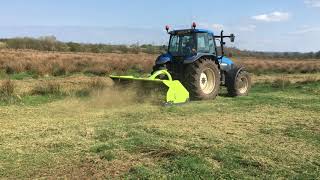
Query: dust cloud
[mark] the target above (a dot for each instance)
(126, 96)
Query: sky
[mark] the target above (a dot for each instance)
(261, 25)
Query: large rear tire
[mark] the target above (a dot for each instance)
(239, 85)
(202, 79)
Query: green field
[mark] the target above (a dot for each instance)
(273, 133)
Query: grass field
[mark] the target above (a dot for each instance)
(273, 133)
(60, 119)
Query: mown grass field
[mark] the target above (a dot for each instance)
(273, 133)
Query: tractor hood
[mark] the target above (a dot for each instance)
(226, 64)
(225, 61)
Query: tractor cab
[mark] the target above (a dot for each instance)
(190, 42)
(188, 45)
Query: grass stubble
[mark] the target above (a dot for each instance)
(273, 133)
(59, 119)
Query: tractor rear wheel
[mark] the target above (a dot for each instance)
(239, 85)
(203, 79)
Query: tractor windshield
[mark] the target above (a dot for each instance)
(190, 44)
(182, 45)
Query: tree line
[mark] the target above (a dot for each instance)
(50, 43)
(273, 55)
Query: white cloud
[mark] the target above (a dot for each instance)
(214, 27)
(249, 28)
(272, 17)
(313, 3)
(217, 27)
(306, 30)
(204, 25)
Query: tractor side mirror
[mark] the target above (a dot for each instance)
(232, 37)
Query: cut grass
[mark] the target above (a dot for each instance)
(272, 134)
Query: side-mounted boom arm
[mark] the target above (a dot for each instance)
(222, 43)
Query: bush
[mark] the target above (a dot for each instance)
(7, 92)
(97, 84)
(9, 70)
(3, 45)
(3, 74)
(281, 83)
(48, 88)
(123, 49)
(97, 70)
(83, 93)
(7, 88)
(58, 71)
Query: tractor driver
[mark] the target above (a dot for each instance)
(190, 47)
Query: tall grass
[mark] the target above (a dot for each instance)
(260, 66)
(7, 88)
(58, 64)
(47, 88)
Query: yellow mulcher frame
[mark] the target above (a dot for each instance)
(176, 94)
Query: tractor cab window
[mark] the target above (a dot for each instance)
(182, 45)
(205, 43)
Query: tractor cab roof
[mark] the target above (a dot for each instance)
(187, 31)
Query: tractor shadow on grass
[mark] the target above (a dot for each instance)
(224, 95)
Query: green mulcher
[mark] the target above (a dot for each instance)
(176, 93)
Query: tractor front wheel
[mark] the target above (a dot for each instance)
(203, 79)
(239, 85)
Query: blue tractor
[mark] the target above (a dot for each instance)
(192, 68)
(194, 59)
